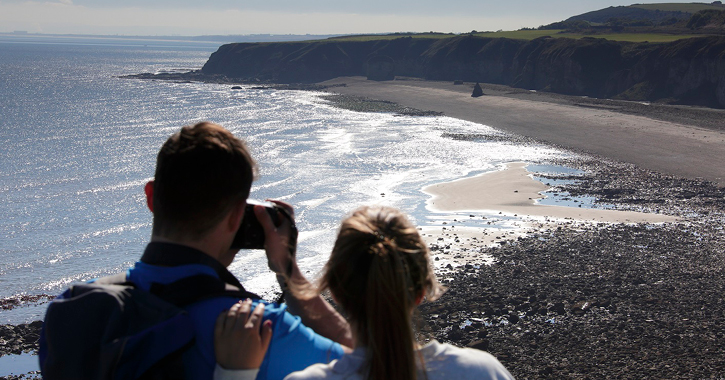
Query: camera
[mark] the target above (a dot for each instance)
(251, 234)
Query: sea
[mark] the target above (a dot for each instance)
(79, 142)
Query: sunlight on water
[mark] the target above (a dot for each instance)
(81, 143)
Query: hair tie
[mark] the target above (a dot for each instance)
(377, 244)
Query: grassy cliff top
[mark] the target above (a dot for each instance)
(680, 7)
(528, 35)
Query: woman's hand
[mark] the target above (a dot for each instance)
(239, 343)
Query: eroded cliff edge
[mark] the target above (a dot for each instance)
(689, 71)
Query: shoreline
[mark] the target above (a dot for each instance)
(511, 192)
(674, 140)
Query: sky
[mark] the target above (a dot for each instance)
(235, 17)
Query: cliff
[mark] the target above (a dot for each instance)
(689, 71)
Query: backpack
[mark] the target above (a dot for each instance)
(111, 329)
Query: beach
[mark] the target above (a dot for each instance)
(633, 292)
(513, 191)
(510, 191)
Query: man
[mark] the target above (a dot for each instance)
(198, 197)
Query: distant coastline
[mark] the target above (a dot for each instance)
(688, 71)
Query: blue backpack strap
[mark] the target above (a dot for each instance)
(196, 288)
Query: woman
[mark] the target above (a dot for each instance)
(378, 272)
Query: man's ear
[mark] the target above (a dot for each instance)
(149, 190)
(236, 215)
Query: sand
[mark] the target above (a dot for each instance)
(682, 141)
(513, 191)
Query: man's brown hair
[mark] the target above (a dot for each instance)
(202, 171)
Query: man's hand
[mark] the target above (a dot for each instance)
(277, 243)
(238, 341)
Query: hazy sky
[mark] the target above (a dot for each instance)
(204, 17)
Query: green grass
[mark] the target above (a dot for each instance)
(529, 35)
(681, 7)
(520, 34)
(381, 37)
(629, 37)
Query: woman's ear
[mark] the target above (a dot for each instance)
(149, 190)
(419, 298)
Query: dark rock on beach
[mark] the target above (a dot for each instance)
(17, 339)
(22, 338)
(477, 90)
(361, 104)
(21, 300)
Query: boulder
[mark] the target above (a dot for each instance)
(477, 91)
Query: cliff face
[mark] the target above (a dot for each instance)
(688, 71)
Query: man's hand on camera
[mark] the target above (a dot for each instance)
(277, 239)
